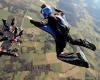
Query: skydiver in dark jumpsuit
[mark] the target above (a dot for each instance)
(58, 30)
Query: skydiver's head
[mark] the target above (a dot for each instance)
(46, 11)
(11, 29)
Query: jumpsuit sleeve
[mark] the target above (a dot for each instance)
(43, 27)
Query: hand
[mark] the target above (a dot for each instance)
(45, 21)
(28, 17)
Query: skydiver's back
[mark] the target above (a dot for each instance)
(57, 24)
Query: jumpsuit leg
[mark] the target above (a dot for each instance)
(21, 33)
(60, 45)
(12, 22)
(81, 42)
(15, 32)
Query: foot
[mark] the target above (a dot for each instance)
(15, 54)
(67, 56)
(89, 45)
(85, 64)
(28, 17)
(66, 53)
(81, 56)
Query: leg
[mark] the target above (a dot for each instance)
(13, 20)
(81, 42)
(59, 49)
(60, 45)
(15, 32)
(21, 33)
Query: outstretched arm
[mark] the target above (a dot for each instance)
(42, 26)
(35, 23)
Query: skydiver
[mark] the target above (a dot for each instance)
(57, 21)
(59, 30)
(16, 37)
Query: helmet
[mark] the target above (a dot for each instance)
(47, 11)
(11, 29)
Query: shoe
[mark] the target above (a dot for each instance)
(15, 54)
(66, 53)
(89, 45)
(67, 56)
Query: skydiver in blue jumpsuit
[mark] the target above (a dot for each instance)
(57, 27)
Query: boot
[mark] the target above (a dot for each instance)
(88, 45)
